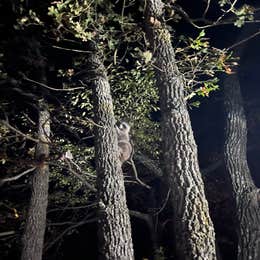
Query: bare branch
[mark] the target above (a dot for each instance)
(80, 170)
(7, 233)
(207, 8)
(149, 164)
(67, 49)
(217, 22)
(19, 132)
(212, 167)
(79, 176)
(139, 215)
(74, 208)
(17, 176)
(82, 179)
(164, 204)
(67, 230)
(54, 89)
(243, 41)
(61, 223)
(29, 119)
(136, 175)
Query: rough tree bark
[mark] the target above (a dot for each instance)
(245, 193)
(115, 239)
(195, 237)
(33, 236)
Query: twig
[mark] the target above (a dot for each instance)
(67, 49)
(212, 24)
(88, 121)
(17, 176)
(67, 230)
(29, 119)
(206, 9)
(74, 208)
(243, 41)
(87, 137)
(139, 215)
(164, 204)
(79, 176)
(136, 175)
(149, 164)
(7, 233)
(22, 134)
(19, 132)
(54, 89)
(61, 223)
(80, 170)
(76, 174)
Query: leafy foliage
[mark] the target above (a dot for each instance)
(242, 14)
(136, 100)
(199, 63)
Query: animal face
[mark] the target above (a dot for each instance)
(124, 127)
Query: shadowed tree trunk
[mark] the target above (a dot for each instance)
(195, 237)
(245, 193)
(33, 236)
(115, 241)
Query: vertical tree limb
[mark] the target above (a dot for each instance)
(195, 237)
(115, 239)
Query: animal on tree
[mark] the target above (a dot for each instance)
(124, 145)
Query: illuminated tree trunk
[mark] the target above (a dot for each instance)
(33, 236)
(245, 194)
(195, 237)
(115, 241)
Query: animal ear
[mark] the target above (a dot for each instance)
(125, 125)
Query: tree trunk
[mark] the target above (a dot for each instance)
(195, 237)
(245, 193)
(115, 239)
(33, 236)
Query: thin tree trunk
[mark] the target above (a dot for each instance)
(195, 237)
(245, 193)
(33, 237)
(115, 239)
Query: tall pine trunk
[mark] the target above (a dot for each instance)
(115, 241)
(245, 194)
(33, 237)
(195, 237)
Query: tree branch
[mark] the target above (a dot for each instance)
(67, 230)
(54, 89)
(244, 40)
(7, 233)
(17, 176)
(19, 132)
(74, 208)
(149, 164)
(136, 175)
(139, 215)
(67, 49)
(75, 174)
